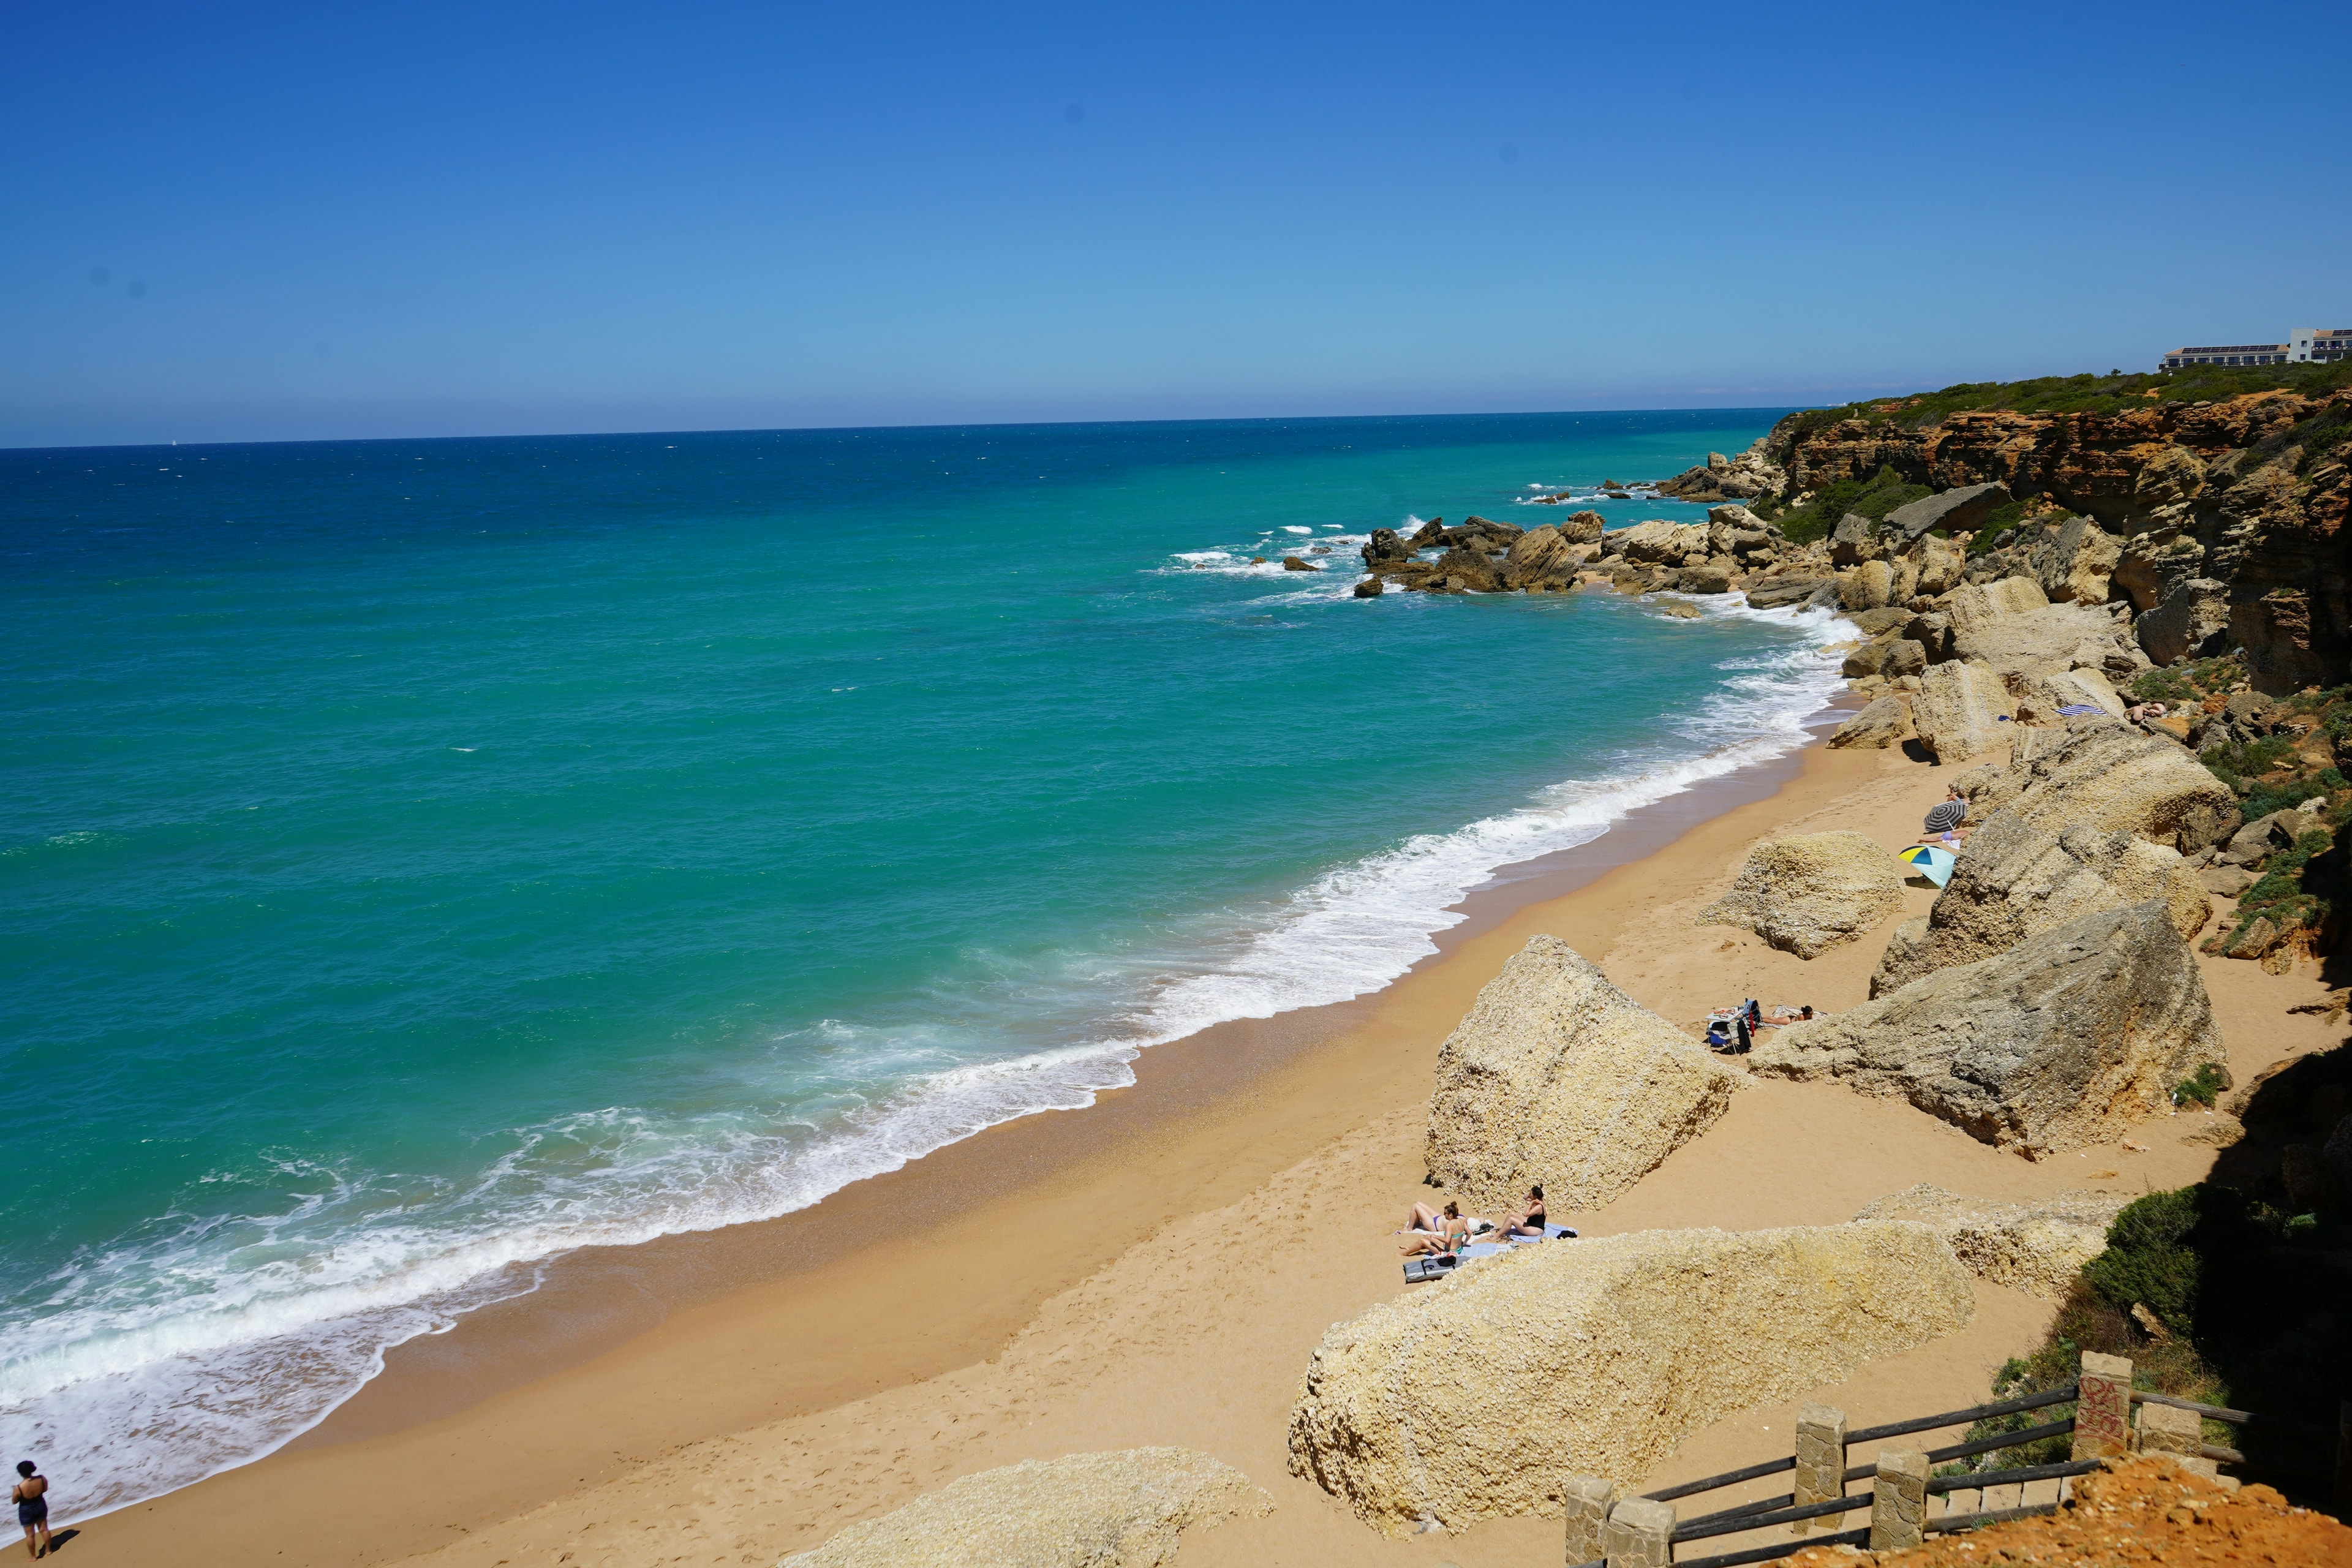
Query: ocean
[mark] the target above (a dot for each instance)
(418, 858)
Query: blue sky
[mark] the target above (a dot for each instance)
(239, 222)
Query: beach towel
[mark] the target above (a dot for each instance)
(2077, 710)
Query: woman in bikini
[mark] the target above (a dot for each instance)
(1446, 1233)
(31, 1496)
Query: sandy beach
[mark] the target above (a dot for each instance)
(1156, 1270)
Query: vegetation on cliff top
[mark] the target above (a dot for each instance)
(2112, 393)
(2213, 1295)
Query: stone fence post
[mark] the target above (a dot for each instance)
(1640, 1534)
(1821, 1462)
(1898, 1503)
(2168, 1429)
(2103, 1407)
(1590, 1498)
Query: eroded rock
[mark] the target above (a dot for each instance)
(2037, 1247)
(2012, 880)
(1959, 711)
(1117, 1510)
(2107, 776)
(1473, 1398)
(1807, 892)
(1556, 1075)
(2071, 1037)
(1885, 723)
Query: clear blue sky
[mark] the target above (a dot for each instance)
(235, 221)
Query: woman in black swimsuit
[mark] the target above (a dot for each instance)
(1529, 1221)
(31, 1496)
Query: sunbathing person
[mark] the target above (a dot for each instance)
(1945, 819)
(1452, 1232)
(1528, 1218)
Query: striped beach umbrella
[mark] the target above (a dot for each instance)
(1926, 860)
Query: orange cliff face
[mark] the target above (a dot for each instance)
(2245, 497)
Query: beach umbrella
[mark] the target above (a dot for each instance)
(1926, 860)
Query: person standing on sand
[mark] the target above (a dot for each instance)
(31, 1496)
(1944, 819)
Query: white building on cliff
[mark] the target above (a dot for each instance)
(2305, 345)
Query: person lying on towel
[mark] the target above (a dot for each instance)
(1945, 819)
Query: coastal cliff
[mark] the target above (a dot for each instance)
(2218, 519)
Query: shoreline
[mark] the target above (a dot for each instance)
(594, 1301)
(852, 1356)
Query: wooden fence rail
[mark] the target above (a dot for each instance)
(1605, 1532)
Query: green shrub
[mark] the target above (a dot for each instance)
(2264, 799)
(2149, 1260)
(2202, 1089)
(1873, 498)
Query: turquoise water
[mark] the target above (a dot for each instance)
(417, 859)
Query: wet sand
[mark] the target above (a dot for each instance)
(1155, 1270)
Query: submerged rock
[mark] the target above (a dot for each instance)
(1119, 1510)
(1807, 892)
(1556, 1075)
(2037, 1247)
(2071, 1037)
(1472, 1399)
(2012, 880)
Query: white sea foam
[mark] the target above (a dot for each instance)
(218, 1343)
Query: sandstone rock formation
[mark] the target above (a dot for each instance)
(2107, 776)
(2037, 1247)
(1540, 558)
(1750, 474)
(1955, 509)
(2077, 562)
(2044, 692)
(2012, 880)
(1958, 712)
(1475, 1398)
(1885, 723)
(1658, 543)
(1806, 892)
(2068, 1039)
(1119, 1510)
(1868, 587)
(2251, 492)
(1556, 1075)
(1781, 592)
(2188, 622)
(1582, 527)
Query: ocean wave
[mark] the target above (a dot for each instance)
(219, 1340)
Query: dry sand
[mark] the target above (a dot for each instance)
(1154, 1270)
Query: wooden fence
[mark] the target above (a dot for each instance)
(1645, 1531)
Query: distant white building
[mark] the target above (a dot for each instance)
(2303, 345)
(2319, 343)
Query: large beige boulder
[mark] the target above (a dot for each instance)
(1657, 542)
(1868, 586)
(2075, 562)
(1541, 557)
(1809, 891)
(2012, 880)
(1886, 722)
(2106, 774)
(1119, 1510)
(2042, 691)
(2065, 635)
(1556, 1075)
(1477, 1397)
(1958, 710)
(2037, 1247)
(2071, 1037)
